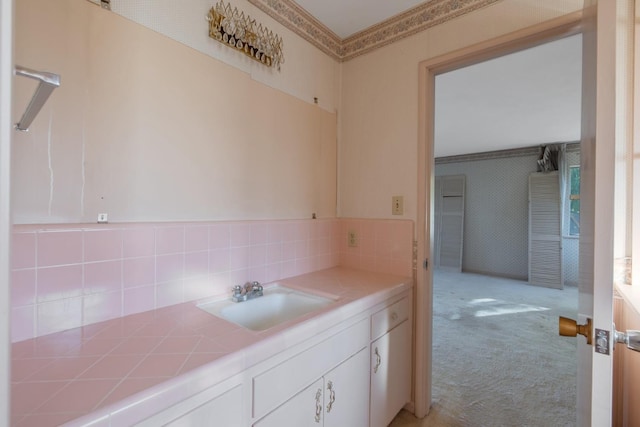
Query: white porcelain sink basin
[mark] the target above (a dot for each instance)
(277, 305)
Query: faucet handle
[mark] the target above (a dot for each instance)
(237, 290)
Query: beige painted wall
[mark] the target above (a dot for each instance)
(146, 129)
(379, 111)
(306, 73)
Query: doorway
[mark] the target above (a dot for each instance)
(552, 30)
(496, 353)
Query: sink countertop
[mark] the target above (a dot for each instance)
(122, 370)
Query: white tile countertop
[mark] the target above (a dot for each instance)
(121, 371)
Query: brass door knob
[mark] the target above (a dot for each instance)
(570, 328)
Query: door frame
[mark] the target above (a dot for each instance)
(544, 32)
(6, 132)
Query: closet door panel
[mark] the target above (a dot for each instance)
(450, 220)
(545, 236)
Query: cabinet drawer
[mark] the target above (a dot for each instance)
(222, 402)
(389, 317)
(275, 386)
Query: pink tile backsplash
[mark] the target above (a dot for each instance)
(75, 275)
(22, 323)
(196, 238)
(59, 247)
(139, 271)
(102, 276)
(23, 250)
(219, 236)
(239, 235)
(383, 245)
(258, 233)
(196, 264)
(139, 242)
(23, 287)
(169, 267)
(169, 240)
(57, 283)
(102, 245)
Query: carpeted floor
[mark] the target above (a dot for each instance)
(498, 360)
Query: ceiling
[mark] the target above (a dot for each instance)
(347, 17)
(528, 98)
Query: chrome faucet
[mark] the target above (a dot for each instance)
(249, 291)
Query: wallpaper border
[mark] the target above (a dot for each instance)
(406, 24)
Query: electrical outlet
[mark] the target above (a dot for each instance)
(397, 205)
(103, 218)
(352, 239)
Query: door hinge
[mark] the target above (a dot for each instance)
(602, 341)
(426, 264)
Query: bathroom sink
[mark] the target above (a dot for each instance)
(277, 305)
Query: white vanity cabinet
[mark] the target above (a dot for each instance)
(337, 399)
(333, 376)
(390, 362)
(222, 403)
(354, 373)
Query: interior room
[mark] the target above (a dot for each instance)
(483, 289)
(199, 199)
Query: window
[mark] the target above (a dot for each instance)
(574, 201)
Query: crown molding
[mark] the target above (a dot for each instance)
(570, 147)
(406, 24)
(298, 20)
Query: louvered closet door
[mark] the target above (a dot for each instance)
(451, 222)
(545, 232)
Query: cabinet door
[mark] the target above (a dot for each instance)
(305, 409)
(390, 374)
(345, 393)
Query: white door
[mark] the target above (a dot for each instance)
(597, 200)
(597, 208)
